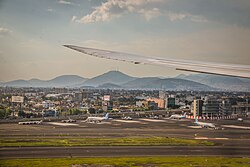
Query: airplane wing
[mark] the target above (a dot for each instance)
(235, 70)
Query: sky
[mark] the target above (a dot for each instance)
(32, 33)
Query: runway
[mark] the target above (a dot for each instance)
(120, 151)
(229, 141)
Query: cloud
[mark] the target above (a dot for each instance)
(196, 18)
(151, 13)
(73, 18)
(50, 10)
(185, 16)
(4, 31)
(115, 8)
(176, 16)
(65, 2)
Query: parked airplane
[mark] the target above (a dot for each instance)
(177, 116)
(97, 119)
(235, 70)
(30, 122)
(69, 120)
(127, 118)
(205, 124)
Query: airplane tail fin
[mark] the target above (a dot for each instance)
(106, 116)
(196, 120)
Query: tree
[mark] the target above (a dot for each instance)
(4, 113)
(21, 114)
(91, 110)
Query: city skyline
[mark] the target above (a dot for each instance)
(32, 34)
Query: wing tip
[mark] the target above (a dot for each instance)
(67, 46)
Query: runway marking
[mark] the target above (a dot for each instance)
(206, 138)
(62, 124)
(236, 127)
(153, 120)
(127, 121)
(201, 138)
(195, 127)
(221, 138)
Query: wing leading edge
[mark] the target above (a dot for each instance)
(235, 70)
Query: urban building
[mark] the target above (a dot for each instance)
(197, 107)
(162, 94)
(170, 102)
(160, 102)
(225, 107)
(152, 105)
(141, 104)
(210, 107)
(242, 108)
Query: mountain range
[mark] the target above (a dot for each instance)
(220, 82)
(60, 81)
(118, 80)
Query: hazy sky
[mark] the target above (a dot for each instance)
(32, 33)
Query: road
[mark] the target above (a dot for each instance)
(119, 151)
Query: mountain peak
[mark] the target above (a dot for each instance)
(181, 76)
(112, 77)
(114, 72)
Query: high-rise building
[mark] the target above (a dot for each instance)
(170, 102)
(197, 108)
(210, 107)
(106, 103)
(225, 107)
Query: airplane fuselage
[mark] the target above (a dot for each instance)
(205, 125)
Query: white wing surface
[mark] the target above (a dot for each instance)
(235, 70)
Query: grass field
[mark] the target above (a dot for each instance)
(129, 161)
(132, 141)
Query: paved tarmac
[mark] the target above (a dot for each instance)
(230, 141)
(120, 151)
